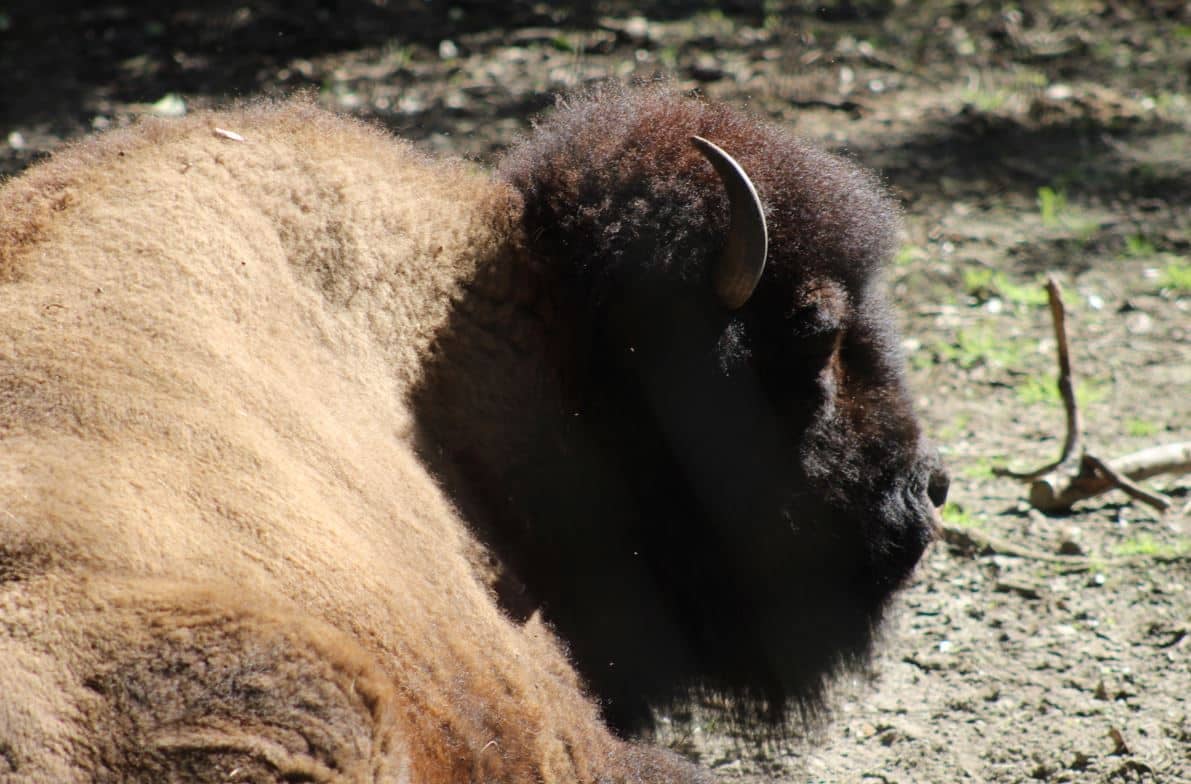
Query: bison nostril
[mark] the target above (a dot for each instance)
(937, 488)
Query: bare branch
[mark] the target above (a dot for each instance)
(977, 542)
(1058, 314)
(1077, 475)
(1166, 459)
(1057, 493)
(1066, 384)
(1156, 500)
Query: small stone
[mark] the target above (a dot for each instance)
(637, 28)
(16, 140)
(1139, 323)
(169, 105)
(707, 69)
(1070, 547)
(447, 50)
(223, 133)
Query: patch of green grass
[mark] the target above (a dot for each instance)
(980, 345)
(399, 56)
(1176, 276)
(1141, 427)
(981, 468)
(1137, 246)
(668, 56)
(956, 515)
(563, 43)
(1182, 31)
(1044, 390)
(984, 100)
(1145, 544)
(955, 428)
(1056, 212)
(984, 284)
(908, 254)
(1025, 78)
(1051, 204)
(1166, 102)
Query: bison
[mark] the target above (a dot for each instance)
(324, 460)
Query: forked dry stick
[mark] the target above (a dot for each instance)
(1078, 474)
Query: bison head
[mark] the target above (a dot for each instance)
(725, 480)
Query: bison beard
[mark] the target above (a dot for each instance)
(315, 452)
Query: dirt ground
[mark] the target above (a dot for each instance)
(1022, 138)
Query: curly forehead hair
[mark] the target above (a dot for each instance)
(611, 180)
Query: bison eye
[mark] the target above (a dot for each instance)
(815, 332)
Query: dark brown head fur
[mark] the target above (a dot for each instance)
(697, 498)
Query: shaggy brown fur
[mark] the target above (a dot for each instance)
(250, 392)
(219, 559)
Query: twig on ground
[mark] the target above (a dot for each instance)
(1071, 442)
(1156, 500)
(974, 541)
(1077, 474)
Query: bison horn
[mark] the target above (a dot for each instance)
(740, 267)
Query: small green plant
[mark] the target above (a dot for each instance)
(1056, 212)
(1141, 427)
(955, 515)
(1051, 204)
(955, 428)
(1044, 390)
(1137, 246)
(398, 56)
(668, 55)
(980, 345)
(981, 468)
(908, 254)
(984, 284)
(1176, 276)
(1026, 78)
(1145, 544)
(563, 43)
(986, 101)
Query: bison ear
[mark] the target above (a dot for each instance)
(739, 269)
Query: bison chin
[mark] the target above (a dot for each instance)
(766, 517)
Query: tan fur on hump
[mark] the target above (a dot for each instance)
(204, 348)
